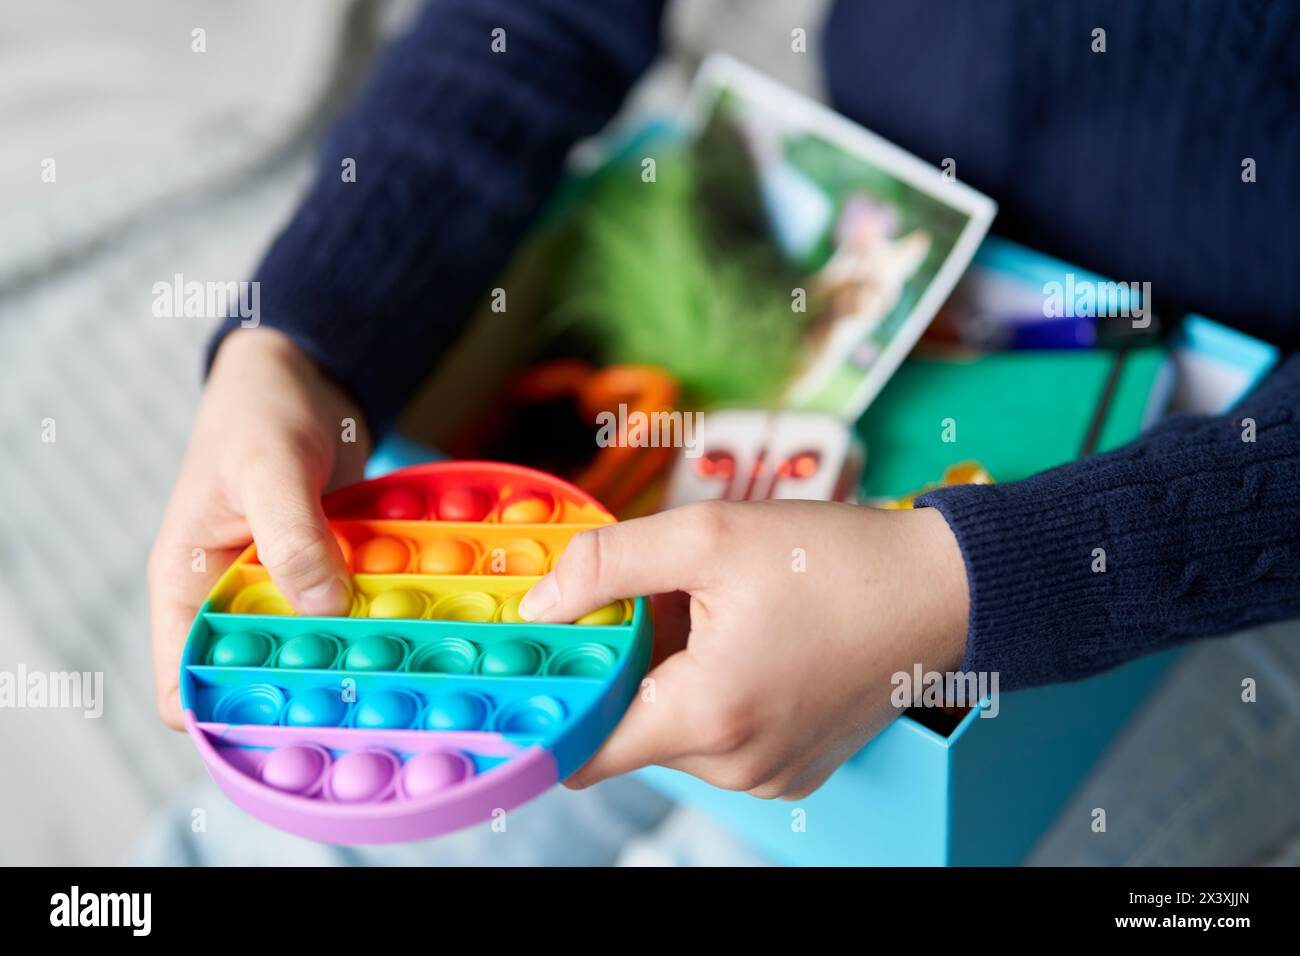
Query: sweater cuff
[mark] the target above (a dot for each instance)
(334, 363)
(1028, 547)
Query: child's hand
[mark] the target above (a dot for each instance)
(268, 439)
(786, 672)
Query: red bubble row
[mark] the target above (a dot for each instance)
(466, 503)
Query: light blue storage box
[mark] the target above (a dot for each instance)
(911, 797)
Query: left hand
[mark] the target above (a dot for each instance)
(800, 613)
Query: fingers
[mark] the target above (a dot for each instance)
(797, 779)
(180, 576)
(281, 499)
(669, 551)
(655, 728)
(677, 722)
(169, 622)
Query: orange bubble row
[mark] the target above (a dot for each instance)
(393, 554)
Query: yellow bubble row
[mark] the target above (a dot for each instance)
(415, 603)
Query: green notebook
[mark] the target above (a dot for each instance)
(1016, 413)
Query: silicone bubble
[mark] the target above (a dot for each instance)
(386, 710)
(260, 598)
(518, 556)
(470, 606)
(383, 555)
(607, 615)
(584, 660)
(532, 507)
(345, 547)
(295, 768)
(430, 772)
(374, 652)
(448, 556)
(401, 504)
(465, 503)
(257, 704)
(362, 775)
(316, 707)
(457, 710)
(398, 603)
(510, 659)
(308, 651)
(534, 715)
(448, 655)
(508, 613)
(242, 649)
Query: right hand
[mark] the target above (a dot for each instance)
(267, 441)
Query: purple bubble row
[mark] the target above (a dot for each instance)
(371, 775)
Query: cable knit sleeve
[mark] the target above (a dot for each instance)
(1199, 527)
(456, 146)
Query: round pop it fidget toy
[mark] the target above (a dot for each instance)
(433, 703)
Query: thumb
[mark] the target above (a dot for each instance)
(665, 552)
(281, 500)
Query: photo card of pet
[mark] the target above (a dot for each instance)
(879, 236)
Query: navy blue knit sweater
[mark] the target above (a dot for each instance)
(1127, 162)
